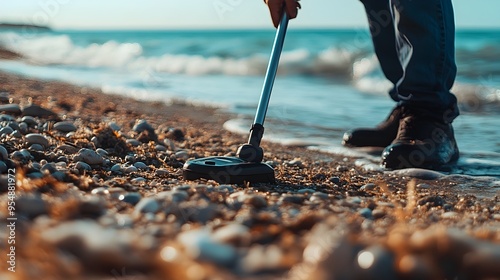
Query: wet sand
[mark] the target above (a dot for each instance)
(99, 194)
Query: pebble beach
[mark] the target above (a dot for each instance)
(91, 185)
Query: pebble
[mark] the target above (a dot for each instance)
(21, 155)
(89, 156)
(4, 154)
(116, 168)
(114, 126)
(4, 96)
(49, 167)
(10, 108)
(256, 201)
(67, 149)
(6, 130)
(173, 196)
(169, 144)
(142, 125)
(100, 191)
(130, 169)
(233, 234)
(31, 206)
(418, 173)
(29, 120)
(318, 196)
(3, 167)
(290, 198)
(16, 134)
(160, 148)
(306, 191)
(366, 212)
(23, 128)
(161, 172)
(141, 166)
(368, 187)
(37, 111)
(59, 175)
(342, 168)
(147, 205)
(201, 245)
(101, 152)
(82, 166)
(5, 117)
(133, 142)
(181, 155)
(295, 162)
(65, 126)
(378, 213)
(116, 192)
(36, 147)
(138, 180)
(335, 180)
(131, 198)
(225, 188)
(35, 138)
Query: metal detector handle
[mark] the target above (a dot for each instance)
(272, 68)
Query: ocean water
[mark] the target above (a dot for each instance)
(329, 81)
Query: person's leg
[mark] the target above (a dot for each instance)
(414, 42)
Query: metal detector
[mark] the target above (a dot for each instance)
(248, 165)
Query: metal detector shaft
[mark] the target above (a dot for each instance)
(272, 68)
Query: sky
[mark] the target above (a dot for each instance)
(179, 14)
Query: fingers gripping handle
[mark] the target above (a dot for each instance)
(272, 69)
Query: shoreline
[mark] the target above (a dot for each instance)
(86, 218)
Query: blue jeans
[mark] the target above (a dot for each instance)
(414, 41)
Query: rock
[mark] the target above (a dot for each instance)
(23, 128)
(295, 162)
(65, 126)
(116, 168)
(306, 191)
(4, 154)
(67, 149)
(418, 173)
(173, 196)
(131, 198)
(141, 126)
(201, 246)
(290, 198)
(82, 166)
(36, 147)
(138, 180)
(100, 191)
(160, 148)
(31, 206)
(318, 196)
(102, 152)
(147, 205)
(181, 155)
(49, 167)
(368, 187)
(29, 120)
(141, 166)
(10, 109)
(232, 234)
(255, 200)
(35, 138)
(16, 134)
(37, 111)
(366, 212)
(378, 213)
(89, 156)
(162, 172)
(133, 142)
(4, 97)
(342, 168)
(449, 215)
(6, 130)
(335, 180)
(114, 126)
(3, 167)
(431, 201)
(130, 169)
(225, 188)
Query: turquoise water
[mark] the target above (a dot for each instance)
(329, 80)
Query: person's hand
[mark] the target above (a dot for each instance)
(276, 8)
